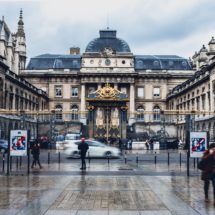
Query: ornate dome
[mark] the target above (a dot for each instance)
(107, 39)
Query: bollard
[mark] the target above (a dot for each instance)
(48, 157)
(194, 163)
(188, 163)
(125, 157)
(11, 160)
(17, 162)
(59, 157)
(3, 162)
(88, 157)
(108, 159)
(20, 162)
(180, 159)
(155, 158)
(168, 158)
(137, 160)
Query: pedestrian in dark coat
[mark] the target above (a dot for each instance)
(35, 151)
(120, 144)
(83, 147)
(208, 171)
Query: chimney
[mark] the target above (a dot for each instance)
(74, 50)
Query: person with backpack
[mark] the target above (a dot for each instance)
(83, 147)
(207, 165)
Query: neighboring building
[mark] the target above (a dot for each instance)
(107, 89)
(196, 95)
(18, 97)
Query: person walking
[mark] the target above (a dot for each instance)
(207, 165)
(35, 151)
(130, 143)
(83, 147)
(147, 144)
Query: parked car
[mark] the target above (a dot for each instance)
(59, 140)
(96, 149)
(3, 145)
(139, 145)
(44, 142)
(72, 136)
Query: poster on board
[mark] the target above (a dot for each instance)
(198, 144)
(18, 143)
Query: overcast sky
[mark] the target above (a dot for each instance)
(178, 27)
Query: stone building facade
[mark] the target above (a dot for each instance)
(107, 83)
(107, 91)
(196, 95)
(20, 100)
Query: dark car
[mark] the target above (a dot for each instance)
(3, 145)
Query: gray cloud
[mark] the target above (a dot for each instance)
(150, 27)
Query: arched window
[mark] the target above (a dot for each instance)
(140, 113)
(156, 113)
(58, 112)
(74, 110)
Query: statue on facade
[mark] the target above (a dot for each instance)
(115, 117)
(99, 118)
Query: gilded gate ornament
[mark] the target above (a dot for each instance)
(108, 92)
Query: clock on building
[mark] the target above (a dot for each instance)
(107, 62)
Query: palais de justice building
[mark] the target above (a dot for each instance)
(104, 92)
(108, 89)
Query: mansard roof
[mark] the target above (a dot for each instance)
(54, 61)
(107, 39)
(161, 62)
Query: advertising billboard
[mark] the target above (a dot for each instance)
(18, 142)
(198, 144)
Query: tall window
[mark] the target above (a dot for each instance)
(74, 115)
(140, 92)
(74, 91)
(91, 90)
(58, 112)
(156, 113)
(123, 90)
(203, 102)
(58, 91)
(156, 92)
(140, 113)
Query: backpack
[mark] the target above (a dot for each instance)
(202, 164)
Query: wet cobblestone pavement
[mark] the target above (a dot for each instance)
(114, 189)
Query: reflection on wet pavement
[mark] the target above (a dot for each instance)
(50, 191)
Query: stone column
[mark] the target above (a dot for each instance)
(83, 105)
(132, 105)
(200, 106)
(211, 95)
(207, 103)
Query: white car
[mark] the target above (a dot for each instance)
(96, 149)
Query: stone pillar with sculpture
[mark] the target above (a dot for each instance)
(123, 117)
(132, 105)
(83, 106)
(91, 116)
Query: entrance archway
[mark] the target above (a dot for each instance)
(107, 114)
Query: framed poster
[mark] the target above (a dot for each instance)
(18, 143)
(198, 144)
